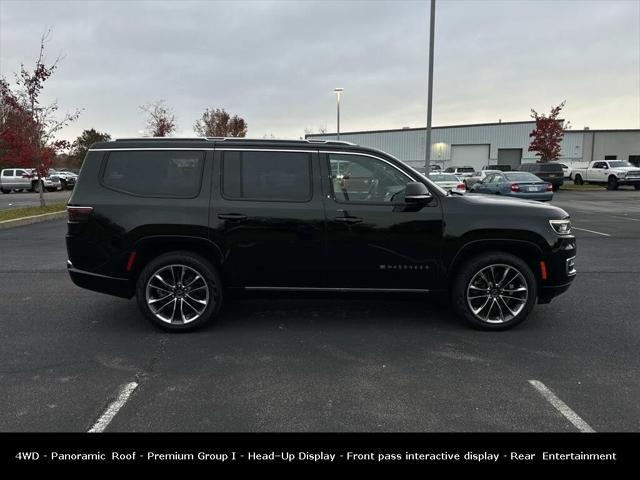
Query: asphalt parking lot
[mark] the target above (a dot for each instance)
(31, 199)
(326, 364)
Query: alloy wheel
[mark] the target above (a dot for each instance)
(497, 293)
(177, 294)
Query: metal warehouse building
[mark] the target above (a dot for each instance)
(493, 143)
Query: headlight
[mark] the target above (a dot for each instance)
(561, 227)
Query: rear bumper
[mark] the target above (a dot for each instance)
(540, 197)
(118, 287)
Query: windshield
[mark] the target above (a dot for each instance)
(521, 177)
(466, 169)
(444, 178)
(619, 163)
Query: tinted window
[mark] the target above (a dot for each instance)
(521, 177)
(466, 169)
(284, 176)
(155, 173)
(365, 179)
(550, 167)
(7, 173)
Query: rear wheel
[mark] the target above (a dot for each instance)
(578, 180)
(612, 183)
(495, 291)
(5, 190)
(179, 291)
(636, 186)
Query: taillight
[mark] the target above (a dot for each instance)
(549, 187)
(461, 186)
(79, 214)
(515, 187)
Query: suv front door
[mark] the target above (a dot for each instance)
(374, 239)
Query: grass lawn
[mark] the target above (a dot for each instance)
(30, 211)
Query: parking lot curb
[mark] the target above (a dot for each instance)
(18, 222)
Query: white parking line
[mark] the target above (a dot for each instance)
(590, 231)
(113, 408)
(626, 218)
(562, 407)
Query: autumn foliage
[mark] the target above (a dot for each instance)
(547, 135)
(218, 123)
(28, 128)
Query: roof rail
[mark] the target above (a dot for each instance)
(220, 139)
(333, 142)
(191, 139)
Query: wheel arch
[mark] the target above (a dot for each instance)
(148, 248)
(528, 251)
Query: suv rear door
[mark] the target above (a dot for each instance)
(267, 216)
(374, 239)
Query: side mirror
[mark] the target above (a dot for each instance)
(416, 192)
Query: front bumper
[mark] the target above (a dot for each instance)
(561, 270)
(119, 287)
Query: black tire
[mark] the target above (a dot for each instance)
(577, 179)
(636, 186)
(192, 262)
(555, 187)
(51, 189)
(37, 186)
(470, 271)
(5, 190)
(612, 183)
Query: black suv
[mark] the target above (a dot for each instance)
(181, 223)
(549, 172)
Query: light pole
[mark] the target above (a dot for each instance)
(432, 23)
(338, 91)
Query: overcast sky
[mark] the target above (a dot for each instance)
(275, 63)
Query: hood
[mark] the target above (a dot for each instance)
(511, 205)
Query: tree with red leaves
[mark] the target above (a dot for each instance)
(548, 134)
(27, 128)
(218, 123)
(161, 122)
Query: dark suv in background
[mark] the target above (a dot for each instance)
(181, 223)
(551, 172)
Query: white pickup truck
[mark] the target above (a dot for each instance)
(611, 173)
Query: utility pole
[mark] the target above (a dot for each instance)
(427, 145)
(338, 91)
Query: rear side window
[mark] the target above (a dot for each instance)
(155, 173)
(7, 173)
(269, 176)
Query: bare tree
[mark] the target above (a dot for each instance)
(161, 121)
(218, 123)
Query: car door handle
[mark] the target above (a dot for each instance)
(348, 219)
(232, 216)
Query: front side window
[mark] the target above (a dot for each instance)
(267, 176)
(358, 178)
(155, 173)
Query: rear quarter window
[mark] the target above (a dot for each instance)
(154, 173)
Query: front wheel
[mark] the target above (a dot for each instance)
(179, 291)
(494, 291)
(636, 186)
(5, 190)
(612, 183)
